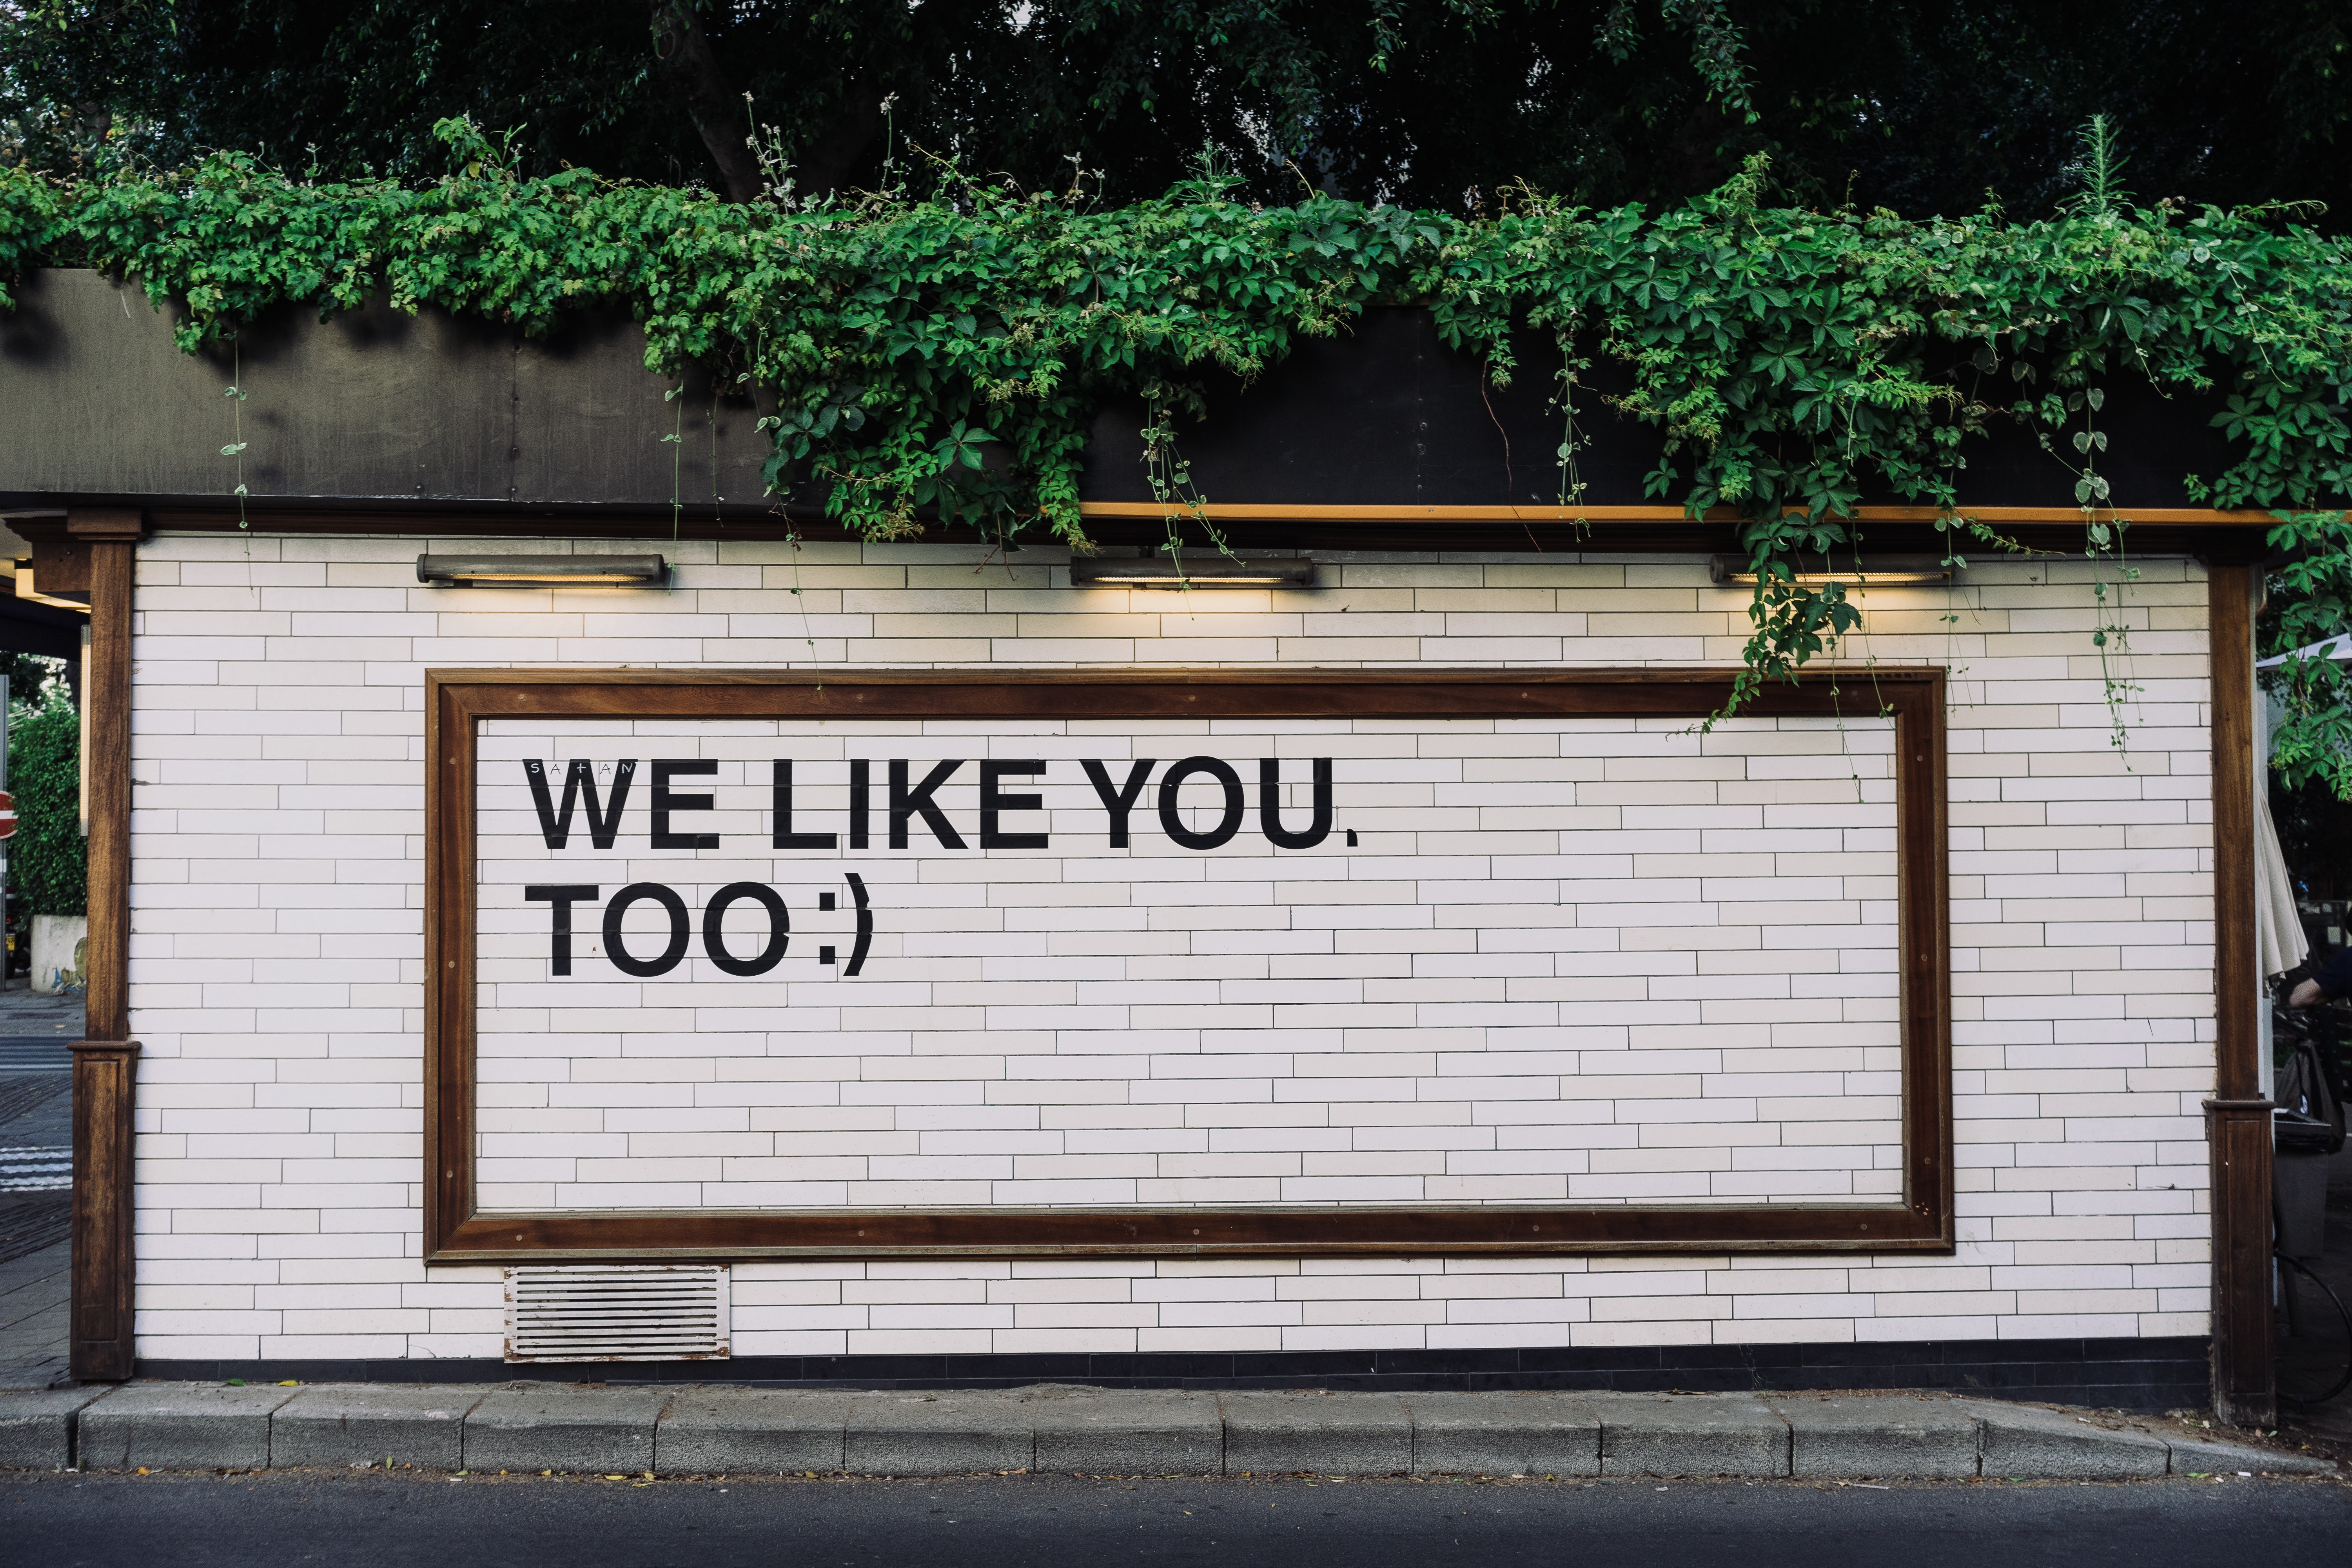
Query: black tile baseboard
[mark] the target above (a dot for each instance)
(2134, 1375)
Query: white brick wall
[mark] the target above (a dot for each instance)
(276, 967)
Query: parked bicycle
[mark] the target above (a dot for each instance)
(2312, 1070)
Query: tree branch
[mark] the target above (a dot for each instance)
(683, 50)
(828, 160)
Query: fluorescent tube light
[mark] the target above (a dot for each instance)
(1885, 572)
(1208, 572)
(543, 571)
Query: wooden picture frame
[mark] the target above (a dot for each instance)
(457, 701)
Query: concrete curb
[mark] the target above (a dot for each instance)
(1340, 1434)
(1690, 1435)
(178, 1426)
(709, 1431)
(1850, 1436)
(1504, 1434)
(1119, 1432)
(716, 1429)
(370, 1423)
(564, 1426)
(37, 1425)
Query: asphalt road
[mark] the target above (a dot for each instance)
(295, 1517)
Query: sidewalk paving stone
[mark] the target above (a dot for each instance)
(37, 1426)
(2021, 1440)
(2195, 1456)
(1504, 1433)
(945, 1434)
(420, 1423)
(712, 1430)
(179, 1427)
(1125, 1432)
(1877, 1435)
(564, 1426)
(1280, 1432)
(1689, 1435)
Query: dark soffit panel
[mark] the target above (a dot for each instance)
(29, 627)
(375, 407)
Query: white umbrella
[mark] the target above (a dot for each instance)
(2279, 942)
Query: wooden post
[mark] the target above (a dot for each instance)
(2237, 1118)
(106, 1060)
(105, 1073)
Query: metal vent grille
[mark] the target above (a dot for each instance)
(618, 1311)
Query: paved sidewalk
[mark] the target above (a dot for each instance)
(33, 1318)
(714, 1430)
(35, 1029)
(35, 1197)
(36, 1209)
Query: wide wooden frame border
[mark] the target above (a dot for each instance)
(458, 699)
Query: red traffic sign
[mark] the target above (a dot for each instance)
(7, 814)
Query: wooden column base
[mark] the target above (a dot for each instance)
(2246, 1391)
(105, 1084)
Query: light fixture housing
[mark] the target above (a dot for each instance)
(543, 571)
(1203, 572)
(1876, 572)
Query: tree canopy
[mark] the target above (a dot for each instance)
(1788, 220)
(1920, 106)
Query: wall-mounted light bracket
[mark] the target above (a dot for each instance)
(543, 571)
(1190, 572)
(1874, 572)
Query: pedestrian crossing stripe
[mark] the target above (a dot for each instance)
(35, 1170)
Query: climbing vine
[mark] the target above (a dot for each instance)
(934, 354)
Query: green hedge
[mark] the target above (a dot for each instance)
(49, 860)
